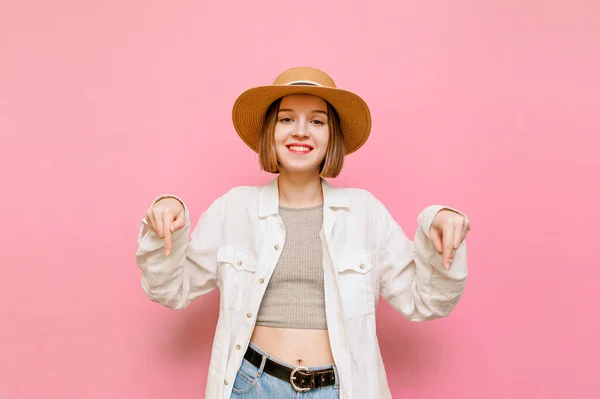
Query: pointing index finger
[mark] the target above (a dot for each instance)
(448, 241)
(167, 220)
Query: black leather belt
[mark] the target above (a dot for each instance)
(301, 378)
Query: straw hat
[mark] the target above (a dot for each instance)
(251, 106)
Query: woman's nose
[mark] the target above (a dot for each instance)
(302, 130)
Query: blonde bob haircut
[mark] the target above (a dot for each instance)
(334, 157)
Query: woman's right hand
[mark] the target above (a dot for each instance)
(166, 217)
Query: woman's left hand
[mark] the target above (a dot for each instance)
(447, 232)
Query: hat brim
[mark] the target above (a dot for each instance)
(251, 106)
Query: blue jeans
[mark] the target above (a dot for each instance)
(251, 382)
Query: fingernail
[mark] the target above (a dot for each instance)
(168, 252)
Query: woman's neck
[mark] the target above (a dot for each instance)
(300, 191)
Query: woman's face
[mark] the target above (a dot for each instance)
(301, 133)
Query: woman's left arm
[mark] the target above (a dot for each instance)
(423, 279)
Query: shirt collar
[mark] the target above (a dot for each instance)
(333, 197)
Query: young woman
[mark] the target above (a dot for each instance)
(300, 264)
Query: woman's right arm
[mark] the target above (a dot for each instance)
(177, 268)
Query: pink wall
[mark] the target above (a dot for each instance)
(489, 106)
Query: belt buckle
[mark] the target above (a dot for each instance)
(293, 379)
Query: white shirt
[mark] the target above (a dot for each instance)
(236, 245)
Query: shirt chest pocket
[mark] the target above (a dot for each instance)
(355, 274)
(237, 268)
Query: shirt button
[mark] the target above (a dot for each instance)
(239, 262)
(276, 247)
(261, 280)
(238, 347)
(226, 382)
(362, 266)
(248, 315)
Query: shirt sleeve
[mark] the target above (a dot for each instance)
(412, 278)
(190, 270)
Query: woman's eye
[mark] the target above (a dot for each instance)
(318, 122)
(285, 120)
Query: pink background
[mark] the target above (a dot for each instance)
(488, 106)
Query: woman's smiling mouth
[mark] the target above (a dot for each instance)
(299, 148)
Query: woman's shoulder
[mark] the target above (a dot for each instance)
(243, 194)
(243, 190)
(358, 196)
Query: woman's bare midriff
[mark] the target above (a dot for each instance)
(297, 347)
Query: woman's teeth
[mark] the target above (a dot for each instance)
(297, 148)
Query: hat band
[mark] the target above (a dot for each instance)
(303, 83)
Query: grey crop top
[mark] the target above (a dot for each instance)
(295, 295)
